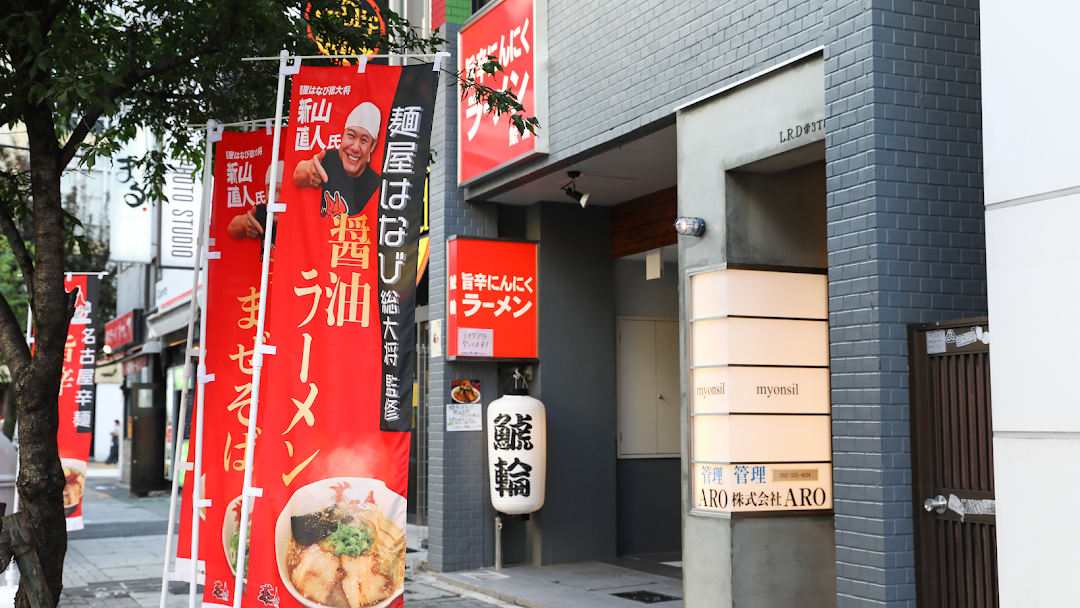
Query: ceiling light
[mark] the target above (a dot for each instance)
(572, 191)
(690, 226)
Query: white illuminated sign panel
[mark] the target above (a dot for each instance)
(760, 426)
(180, 216)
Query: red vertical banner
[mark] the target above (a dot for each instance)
(183, 542)
(238, 211)
(332, 458)
(77, 393)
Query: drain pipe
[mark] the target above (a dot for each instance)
(498, 542)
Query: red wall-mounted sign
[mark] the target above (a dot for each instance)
(514, 31)
(493, 295)
(120, 331)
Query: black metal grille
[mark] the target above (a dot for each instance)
(646, 597)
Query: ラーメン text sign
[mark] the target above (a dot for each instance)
(492, 296)
(515, 33)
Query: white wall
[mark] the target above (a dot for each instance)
(1032, 170)
(109, 406)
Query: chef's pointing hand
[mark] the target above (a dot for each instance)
(310, 173)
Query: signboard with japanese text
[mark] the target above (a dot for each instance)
(464, 417)
(241, 183)
(180, 216)
(77, 393)
(131, 213)
(121, 331)
(492, 299)
(517, 452)
(762, 487)
(332, 457)
(515, 32)
(760, 424)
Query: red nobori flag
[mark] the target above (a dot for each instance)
(332, 459)
(238, 210)
(77, 392)
(183, 543)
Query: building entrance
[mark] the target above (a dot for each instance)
(648, 436)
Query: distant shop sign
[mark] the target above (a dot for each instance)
(135, 366)
(180, 216)
(492, 294)
(515, 32)
(121, 331)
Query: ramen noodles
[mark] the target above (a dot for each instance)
(346, 555)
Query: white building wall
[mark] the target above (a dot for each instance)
(109, 407)
(1032, 210)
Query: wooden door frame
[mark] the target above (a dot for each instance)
(927, 584)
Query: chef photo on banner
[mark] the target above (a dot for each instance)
(347, 179)
(252, 224)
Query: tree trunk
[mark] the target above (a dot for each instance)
(37, 382)
(10, 415)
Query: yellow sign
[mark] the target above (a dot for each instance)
(362, 17)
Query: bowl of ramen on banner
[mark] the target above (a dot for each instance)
(341, 544)
(74, 483)
(230, 533)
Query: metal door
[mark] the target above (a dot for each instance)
(146, 409)
(953, 464)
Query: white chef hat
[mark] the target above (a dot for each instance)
(280, 170)
(365, 116)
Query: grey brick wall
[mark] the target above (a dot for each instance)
(906, 245)
(616, 68)
(456, 490)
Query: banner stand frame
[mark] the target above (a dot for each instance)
(213, 133)
(288, 65)
(285, 68)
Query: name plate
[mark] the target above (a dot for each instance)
(760, 390)
(731, 488)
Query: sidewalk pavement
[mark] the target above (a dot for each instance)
(116, 561)
(619, 583)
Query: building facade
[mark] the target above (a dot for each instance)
(834, 138)
(1031, 198)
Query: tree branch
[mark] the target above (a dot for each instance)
(12, 342)
(15, 241)
(53, 9)
(90, 118)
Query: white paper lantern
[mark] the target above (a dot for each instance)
(517, 452)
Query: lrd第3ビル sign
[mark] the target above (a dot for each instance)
(492, 297)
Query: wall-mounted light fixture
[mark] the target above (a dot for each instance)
(572, 191)
(690, 226)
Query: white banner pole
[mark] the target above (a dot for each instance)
(202, 253)
(178, 433)
(285, 68)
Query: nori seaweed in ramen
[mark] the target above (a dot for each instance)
(346, 555)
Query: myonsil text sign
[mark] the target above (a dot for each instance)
(515, 32)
